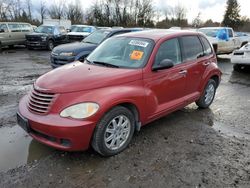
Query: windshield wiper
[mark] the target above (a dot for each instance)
(88, 61)
(89, 42)
(105, 64)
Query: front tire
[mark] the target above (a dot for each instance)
(50, 45)
(208, 94)
(114, 131)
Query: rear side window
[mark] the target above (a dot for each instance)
(169, 49)
(192, 48)
(25, 27)
(206, 46)
(230, 32)
(14, 27)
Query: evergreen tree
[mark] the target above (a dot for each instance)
(232, 15)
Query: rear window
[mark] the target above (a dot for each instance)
(192, 48)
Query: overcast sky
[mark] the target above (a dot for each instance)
(210, 9)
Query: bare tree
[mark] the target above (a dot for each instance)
(42, 10)
(58, 10)
(197, 22)
(29, 7)
(74, 13)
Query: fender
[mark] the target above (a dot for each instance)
(211, 70)
(107, 98)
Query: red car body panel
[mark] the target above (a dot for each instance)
(153, 94)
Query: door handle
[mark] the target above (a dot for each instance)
(183, 72)
(206, 63)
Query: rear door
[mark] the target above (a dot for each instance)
(26, 29)
(195, 63)
(15, 33)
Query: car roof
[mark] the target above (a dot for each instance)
(157, 34)
(14, 23)
(114, 30)
(215, 28)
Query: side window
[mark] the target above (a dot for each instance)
(207, 47)
(3, 28)
(230, 33)
(169, 49)
(25, 27)
(192, 48)
(56, 31)
(14, 27)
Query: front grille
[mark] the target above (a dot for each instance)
(40, 102)
(76, 37)
(33, 38)
(238, 53)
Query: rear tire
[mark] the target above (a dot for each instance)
(237, 67)
(114, 131)
(208, 94)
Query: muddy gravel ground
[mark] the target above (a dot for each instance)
(188, 148)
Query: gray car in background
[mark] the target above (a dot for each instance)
(13, 33)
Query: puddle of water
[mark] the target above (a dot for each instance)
(17, 148)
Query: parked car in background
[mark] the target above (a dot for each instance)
(243, 37)
(78, 51)
(223, 39)
(241, 57)
(79, 32)
(13, 33)
(125, 83)
(46, 36)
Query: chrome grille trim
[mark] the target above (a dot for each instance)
(40, 101)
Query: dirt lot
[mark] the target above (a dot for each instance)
(189, 148)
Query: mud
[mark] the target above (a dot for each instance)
(188, 148)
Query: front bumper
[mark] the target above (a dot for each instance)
(36, 44)
(55, 131)
(57, 60)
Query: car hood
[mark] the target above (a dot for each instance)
(79, 33)
(75, 47)
(82, 76)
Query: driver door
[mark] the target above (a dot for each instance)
(167, 86)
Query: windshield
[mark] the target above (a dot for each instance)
(82, 29)
(45, 29)
(123, 52)
(209, 32)
(96, 37)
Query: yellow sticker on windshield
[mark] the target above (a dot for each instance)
(136, 55)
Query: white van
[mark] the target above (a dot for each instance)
(13, 33)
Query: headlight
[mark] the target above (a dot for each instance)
(67, 54)
(80, 111)
(44, 38)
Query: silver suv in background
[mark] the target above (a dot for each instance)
(13, 33)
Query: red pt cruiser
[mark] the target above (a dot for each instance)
(125, 83)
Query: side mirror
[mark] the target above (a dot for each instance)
(2, 31)
(164, 64)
